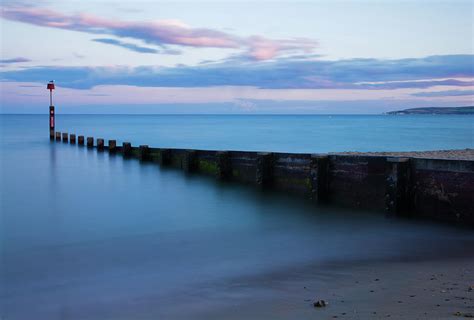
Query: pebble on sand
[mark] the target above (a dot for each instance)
(320, 303)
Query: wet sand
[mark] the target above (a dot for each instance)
(369, 290)
(430, 281)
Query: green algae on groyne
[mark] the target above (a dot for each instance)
(405, 184)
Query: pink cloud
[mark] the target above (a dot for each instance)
(261, 48)
(165, 32)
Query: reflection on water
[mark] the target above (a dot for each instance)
(85, 233)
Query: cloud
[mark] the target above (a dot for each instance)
(14, 60)
(134, 47)
(373, 74)
(160, 33)
(420, 84)
(130, 100)
(128, 46)
(446, 93)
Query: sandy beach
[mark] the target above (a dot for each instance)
(368, 290)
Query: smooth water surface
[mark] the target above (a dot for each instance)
(284, 133)
(88, 235)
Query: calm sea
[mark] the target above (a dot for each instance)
(85, 235)
(312, 133)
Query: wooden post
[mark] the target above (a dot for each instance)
(165, 157)
(65, 137)
(80, 140)
(112, 146)
(72, 138)
(100, 144)
(58, 136)
(264, 169)
(127, 149)
(90, 142)
(397, 192)
(224, 166)
(319, 178)
(144, 153)
(190, 161)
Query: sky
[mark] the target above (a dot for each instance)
(278, 57)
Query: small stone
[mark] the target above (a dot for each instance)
(471, 288)
(320, 304)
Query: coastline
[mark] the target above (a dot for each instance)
(424, 289)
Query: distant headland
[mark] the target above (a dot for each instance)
(448, 110)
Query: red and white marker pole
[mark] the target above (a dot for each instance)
(50, 87)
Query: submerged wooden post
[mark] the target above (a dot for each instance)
(112, 146)
(319, 177)
(144, 153)
(51, 122)
(127, 149)
(58, 136)
(80, 140)
(100, 144)
(397, 192)
(90, 142)
(190, 161)
(72, 138)
(165, 157)
(224, 166)
(264, 169)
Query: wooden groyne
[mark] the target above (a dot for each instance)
(441, 189)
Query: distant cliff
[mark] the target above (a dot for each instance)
(452, 110)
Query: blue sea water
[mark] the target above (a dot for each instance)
(285, 133)
(87, 235)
